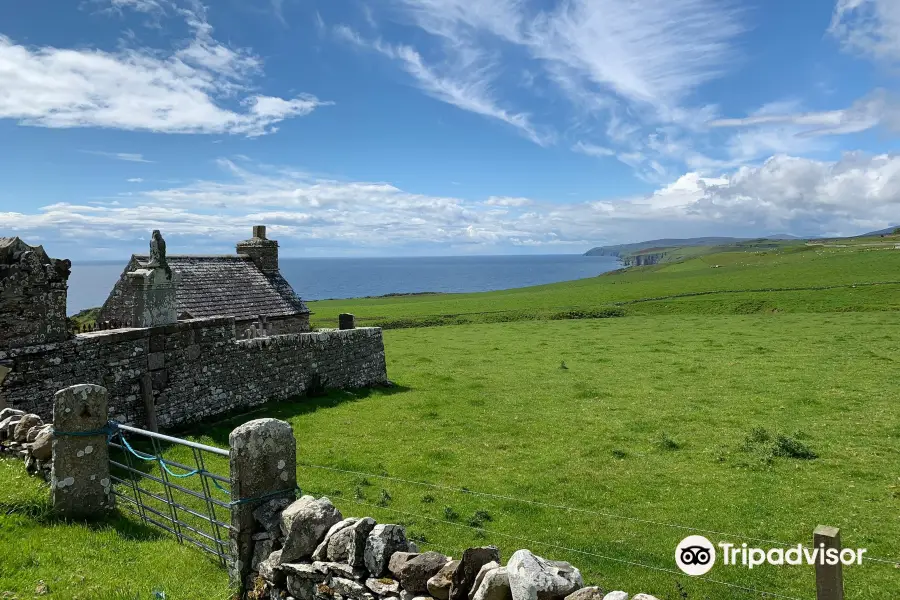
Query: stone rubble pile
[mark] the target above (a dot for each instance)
(27, 437)
(307, 550)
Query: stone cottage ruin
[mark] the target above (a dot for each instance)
(205, 335)
(247, 285)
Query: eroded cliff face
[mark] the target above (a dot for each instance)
(629, 259)
(640, 260)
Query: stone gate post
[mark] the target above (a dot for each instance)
(263, 466)
(79, 478)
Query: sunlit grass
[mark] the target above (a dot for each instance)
(762, 413)
(119, 558)
(650, 419)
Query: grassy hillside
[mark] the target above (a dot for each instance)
(747, 391)
(784, 279)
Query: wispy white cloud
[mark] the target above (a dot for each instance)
(593, 149)
(877, 108)
(135, 180)
(868, 27)
(465, 82)
(278, 11)
(656, 52)
(126, 156)
(636, 65)
(508, 201)
(195, 88)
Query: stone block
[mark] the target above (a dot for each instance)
(79, 480)
(156, 361)
(157, 342)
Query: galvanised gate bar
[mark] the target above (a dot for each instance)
(186, 500)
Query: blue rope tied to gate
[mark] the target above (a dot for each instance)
(111, 430)
(296, 488)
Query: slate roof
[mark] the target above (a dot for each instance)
(229, 285)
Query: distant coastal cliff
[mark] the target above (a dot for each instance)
(630, 259)
(653, 252)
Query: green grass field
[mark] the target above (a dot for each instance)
(122, 559)
(755, 413)
(654, 418)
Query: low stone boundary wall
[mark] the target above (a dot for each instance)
(307, 550)
(190, 370)
(27, 437)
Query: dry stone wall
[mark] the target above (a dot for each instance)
(307, 550)
(190, 370)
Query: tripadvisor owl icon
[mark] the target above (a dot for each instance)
(695, 555)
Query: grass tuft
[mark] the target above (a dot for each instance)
(664, 442)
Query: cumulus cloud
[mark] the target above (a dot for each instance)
(785, 194)
(195, 88)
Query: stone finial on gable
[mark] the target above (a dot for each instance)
(154, 288)
(157, 251)
(259, 232)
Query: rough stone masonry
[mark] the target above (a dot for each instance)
(179, 371)
(305, 550)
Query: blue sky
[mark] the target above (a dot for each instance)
(435, 127)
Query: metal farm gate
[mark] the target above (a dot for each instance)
(176, 492)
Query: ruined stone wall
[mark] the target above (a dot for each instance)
(32, 295)
(192, 369)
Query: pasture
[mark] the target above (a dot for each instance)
(755, 398)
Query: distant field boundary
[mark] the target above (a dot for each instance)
(757, 290)
(605, 310)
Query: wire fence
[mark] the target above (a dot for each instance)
(482, 531)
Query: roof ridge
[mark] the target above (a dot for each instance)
(201, 256)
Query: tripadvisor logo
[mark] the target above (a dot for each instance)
(696, 555)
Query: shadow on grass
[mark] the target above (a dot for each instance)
(285, 410)
(41, 513)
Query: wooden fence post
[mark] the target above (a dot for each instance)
(829, 578)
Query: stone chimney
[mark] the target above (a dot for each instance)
(264, 252)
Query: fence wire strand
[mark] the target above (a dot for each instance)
(598, 513)
(584, 552)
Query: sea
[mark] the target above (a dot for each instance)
(332, 278)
